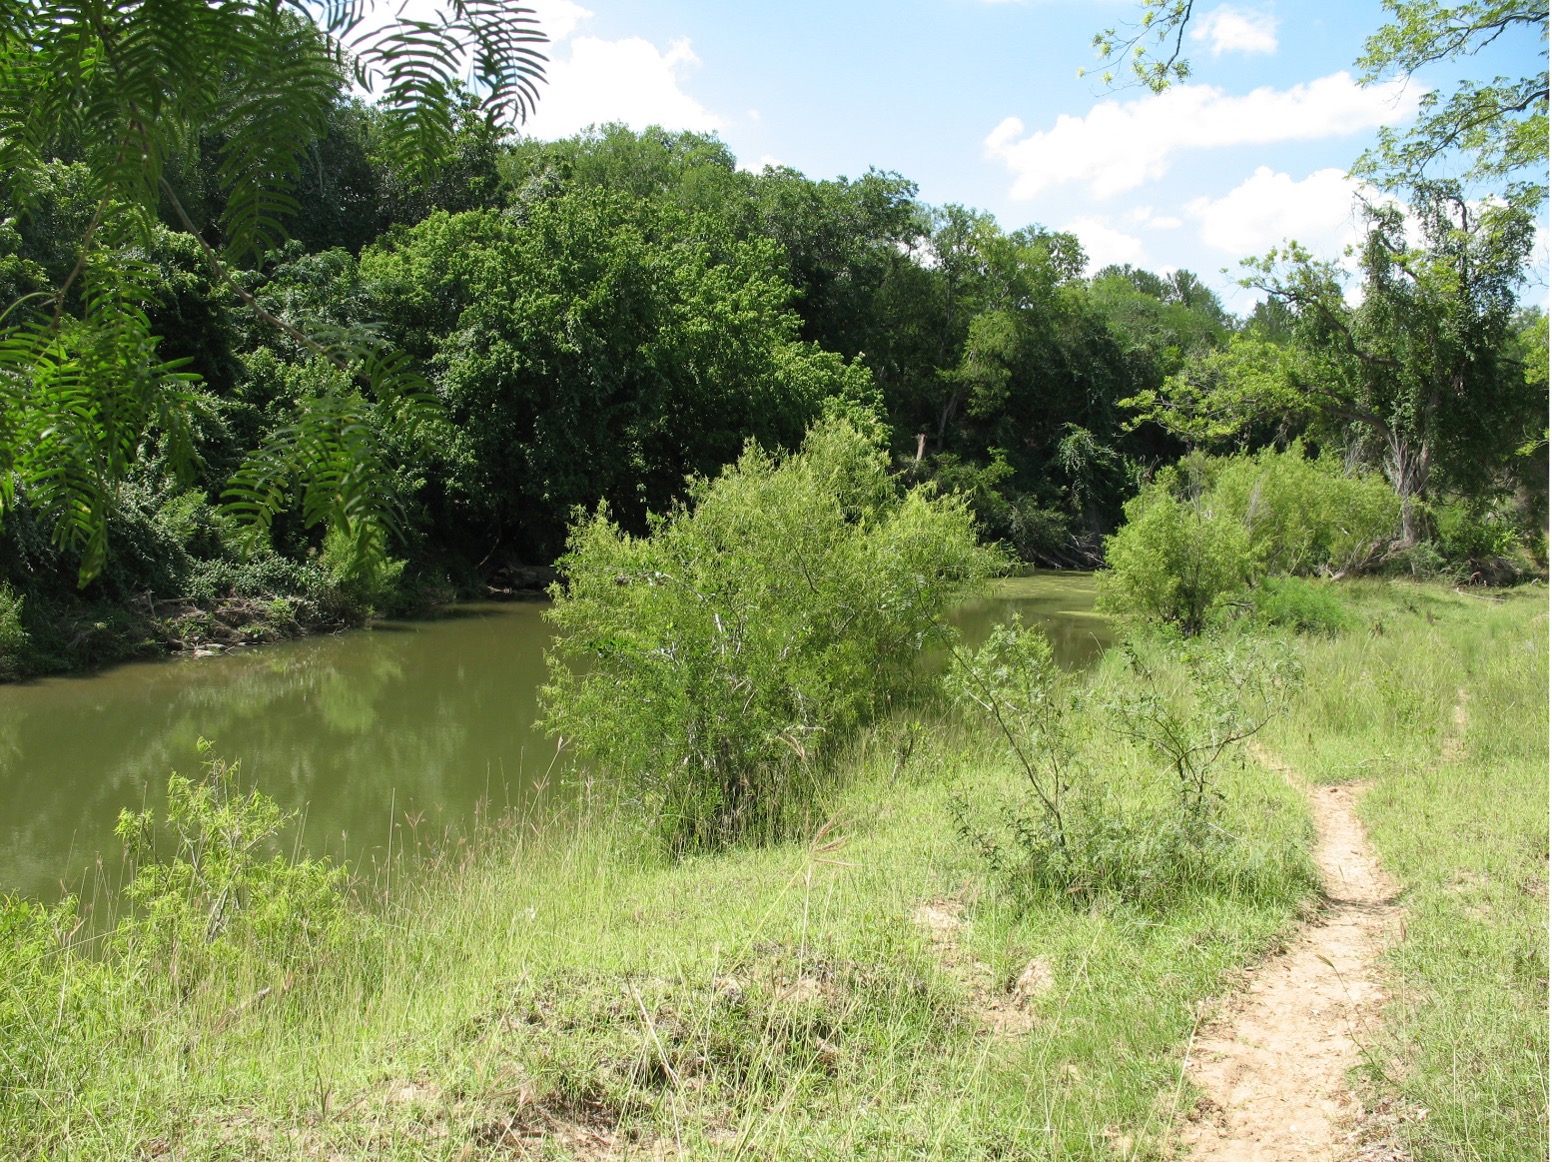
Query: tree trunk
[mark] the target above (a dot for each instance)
(1406, 465)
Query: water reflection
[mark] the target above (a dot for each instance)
(430, 717)
(426, 718)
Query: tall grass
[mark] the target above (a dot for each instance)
(863, 990)
(561, 990)
(1441, 703)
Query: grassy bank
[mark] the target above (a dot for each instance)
(1438, 699)
(861, 987)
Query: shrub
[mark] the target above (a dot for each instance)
(1474, 534)
(1177, 558)
(225, 896)
(1305, 515)
(1090, 826)
(1208, 528)
(1231, 688)
(14, 640)
(711, 661)
(1300, 604)
(1013, 682)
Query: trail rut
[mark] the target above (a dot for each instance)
(1272, 1066)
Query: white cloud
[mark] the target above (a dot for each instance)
(1104, 244)
(1118, 146)
(559, 18)
(1270, 207)
(1145, 216)
(759, 167)
(629, 80)
(1236, 30)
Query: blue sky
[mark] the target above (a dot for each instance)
(980, 102)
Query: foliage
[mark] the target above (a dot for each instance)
(1304, 515)
(1500, 126)
(1013, 681)
(597, 348)
(1234, 686)
(13, 635)
(1421, 377)
(1301, 604)
(1086, 828)
(223, 890)
(1181, 555)
(122, 92)
(710, 662)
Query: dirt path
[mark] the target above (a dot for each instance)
(1273, 1064)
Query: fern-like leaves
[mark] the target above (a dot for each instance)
(119, 85)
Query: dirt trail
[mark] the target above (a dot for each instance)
(1273, 1064)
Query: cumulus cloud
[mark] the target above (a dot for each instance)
(1269, 207)
(1104, 244)
(591, 80)
(629, 80)
(559, 18)
(1237, 30)
(1118, 146)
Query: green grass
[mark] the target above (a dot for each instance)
(1459, 817)
(562, 990)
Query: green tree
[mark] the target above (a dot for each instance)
(123, 91)
(596, 346)
(1420, 377)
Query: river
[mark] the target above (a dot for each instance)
(419, 723)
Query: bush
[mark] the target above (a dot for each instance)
(225, 897)
(1300, 604)
(1477, 535)
(14, 640)
(1305, 515)
(1089, 826)
(1208, 528)
(1177, 558)
(715, 659)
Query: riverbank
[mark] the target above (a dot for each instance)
(864, 986)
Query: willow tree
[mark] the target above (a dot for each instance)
(122, 86)
(1421, 375)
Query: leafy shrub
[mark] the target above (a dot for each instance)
(14, 640)
(713, 660)
(225, 895)
(1179, 556)
(1305, 515)
(1013, 682)
(1474, 533)
(1300, 604)
(1208, 528)
(1088, 827)
(1231, 687)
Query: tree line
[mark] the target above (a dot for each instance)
(398, 380)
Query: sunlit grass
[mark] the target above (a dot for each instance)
(562, 989)
(1441, 702)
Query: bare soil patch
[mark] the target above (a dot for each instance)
(1273, 1065)
(1005, 1010)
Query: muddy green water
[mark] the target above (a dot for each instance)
(420, 724)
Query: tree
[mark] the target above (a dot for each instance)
(123, 90)
(594, 346)
(1420, 377)
(1500, 126)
